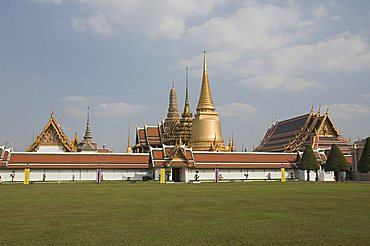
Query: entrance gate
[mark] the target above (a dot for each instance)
(176, 174)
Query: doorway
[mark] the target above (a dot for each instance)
(176, 174)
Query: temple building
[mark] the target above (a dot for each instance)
(314, 129)
(190, 149)
(203, 132)
(52, 139)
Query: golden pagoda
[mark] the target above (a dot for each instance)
(173, 118)
(206, 131)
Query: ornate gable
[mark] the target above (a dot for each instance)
(327, 127)
(51, 135)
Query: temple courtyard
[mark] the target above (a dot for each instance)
(149, 213)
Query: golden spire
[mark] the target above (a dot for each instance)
(187, 104)
(205, 100)
(129, 149)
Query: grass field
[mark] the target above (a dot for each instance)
(269, 213)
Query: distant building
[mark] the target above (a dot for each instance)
(293, 134)
(87, 144)
(201, 133)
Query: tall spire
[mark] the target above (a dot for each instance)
(87, 131)
(187, 104)
(87, 144)
(205, 100)
(206, 130)
(173, 109)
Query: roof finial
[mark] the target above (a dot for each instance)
(52, 113)
(319, 109)
(88, 115)
(327, 110)
(204, 61)
(173, 84)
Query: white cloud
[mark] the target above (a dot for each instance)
(274, 82)
(75, 99)
(119, 109)
(366, 95)
(77, 106)
(237, 110)
(57, 2)
(165, 19)
(320, 12)
(253, 28)
(348, 111)
(343, 52)
(97, 23)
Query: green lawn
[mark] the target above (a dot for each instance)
(295, 213)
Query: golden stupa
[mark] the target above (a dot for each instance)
(206, 131)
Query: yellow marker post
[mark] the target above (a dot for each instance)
(282, 174)
(26, 176)
(162, 179)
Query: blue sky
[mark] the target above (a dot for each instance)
(266, 59)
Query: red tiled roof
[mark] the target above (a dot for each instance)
(153, 131)
(78, 160)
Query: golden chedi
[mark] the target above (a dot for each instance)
(206, 131)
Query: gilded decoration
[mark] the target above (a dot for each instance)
(52, 134)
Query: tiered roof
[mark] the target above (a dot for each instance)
(177, 155)
(52, 134)
(293, 134)
(147, 136)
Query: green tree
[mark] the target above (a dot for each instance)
(308, 161)
(336, 161)
(364, 163)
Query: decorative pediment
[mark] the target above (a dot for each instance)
(327, 127)
(52, 134)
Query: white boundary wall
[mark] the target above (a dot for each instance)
(74, 174)
(188, 174)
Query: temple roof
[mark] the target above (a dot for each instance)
(52, 134)
(177, 155)
(292, 134)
